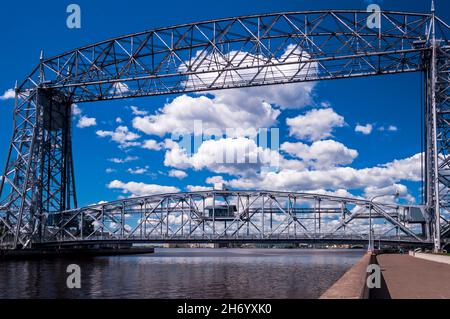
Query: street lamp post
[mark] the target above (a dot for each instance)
(370, 246)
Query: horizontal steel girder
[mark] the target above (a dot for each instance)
(239, 52)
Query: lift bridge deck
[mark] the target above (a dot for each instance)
(236, 217)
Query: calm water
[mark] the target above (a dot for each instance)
(184, 273)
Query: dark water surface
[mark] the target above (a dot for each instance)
(184, 273)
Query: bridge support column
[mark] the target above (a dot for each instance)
(39, 170)
(437, 131)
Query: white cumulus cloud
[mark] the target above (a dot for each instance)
(136, 111)
(408, 169)
(85, 121)
(387, 193)
(177, 174)
(76, 111)
(141, 189)
(119, 88)
(196, 188)
(138, 170)
(152, 145)
(221, 112)
(124, 160)
(122, 135)
(8, 94)
(390, 128)
(243, 66)
(321, 154)
(315, 125)
(237, 156)
(234, 108)
(364, 129)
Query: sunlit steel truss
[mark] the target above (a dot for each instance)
(237, 52)
(237, 216)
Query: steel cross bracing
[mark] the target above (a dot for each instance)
(237, 52)
(248, 51)
(244, 216)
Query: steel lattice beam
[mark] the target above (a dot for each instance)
(250, 216)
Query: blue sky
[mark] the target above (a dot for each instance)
(391, 103)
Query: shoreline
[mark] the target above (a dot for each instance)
(39, 254)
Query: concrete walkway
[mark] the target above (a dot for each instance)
(408, 277)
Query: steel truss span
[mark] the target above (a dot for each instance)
(237, 216)
(272, 49)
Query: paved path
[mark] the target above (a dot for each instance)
(408, 277)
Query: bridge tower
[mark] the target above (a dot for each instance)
(39, 172)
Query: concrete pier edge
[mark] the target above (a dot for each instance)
(352, 285)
